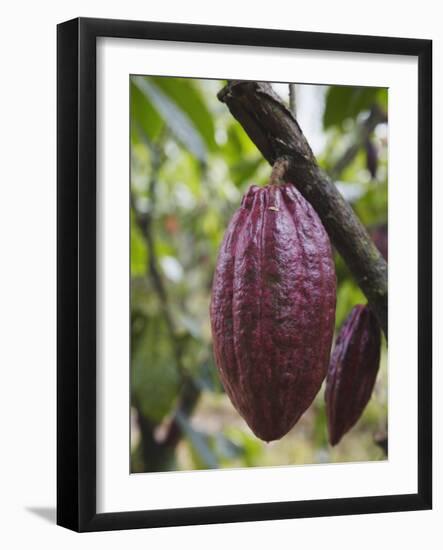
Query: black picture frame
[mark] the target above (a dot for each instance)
(76, 273)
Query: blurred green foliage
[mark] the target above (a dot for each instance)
(190, 164)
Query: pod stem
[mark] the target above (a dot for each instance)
(278, 173)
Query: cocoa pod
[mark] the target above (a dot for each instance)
(379, 235)
(352, 371)
(371, 158)
(273, 308)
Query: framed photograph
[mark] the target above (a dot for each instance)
(227, 202)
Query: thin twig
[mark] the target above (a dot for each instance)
(365, 129)
(292, 99)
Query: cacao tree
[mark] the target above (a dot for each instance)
(191, 163)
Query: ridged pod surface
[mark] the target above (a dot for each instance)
(379, 235)
(352, 371)
(273, 308)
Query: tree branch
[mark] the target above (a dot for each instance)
(276, 133)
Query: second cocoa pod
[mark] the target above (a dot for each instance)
(352, 371)
(379, 234)
(273, 308)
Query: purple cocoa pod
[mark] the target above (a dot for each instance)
(379, 234)
(273, 308)
(352, 371)
(371, 158)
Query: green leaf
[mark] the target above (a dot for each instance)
(178, 121)
(139, 252)
(243, 170)
(343, 102)
(188, 97)
(238, 143)
(143, 116)
(348, 295)
(382, 97)
(155, 379)
(372, 207)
